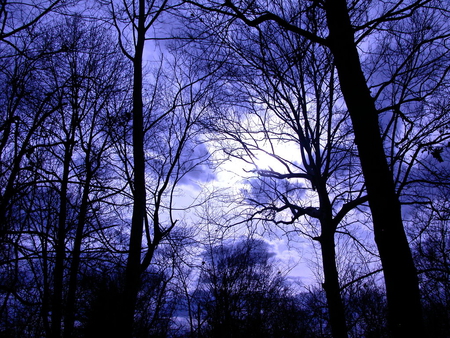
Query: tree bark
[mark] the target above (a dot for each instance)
(401, 280)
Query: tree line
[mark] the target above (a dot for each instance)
(113, 112)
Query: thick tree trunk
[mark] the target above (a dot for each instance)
(400, 275)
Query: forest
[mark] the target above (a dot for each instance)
(225, 168)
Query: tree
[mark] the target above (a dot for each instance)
(23, 121)
(80, 144)
(165, 140)
(95, 179)
(241, 293)
(341, 28)
(155, 304)
(59, 178)
(140, 15)
(431, 253)
(290, 114)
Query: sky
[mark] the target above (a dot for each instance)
(231, 178)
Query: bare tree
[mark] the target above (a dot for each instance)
(167, 149)
(342, 28)
(242, 293)
(132, 21)
(430, 244)
(58, 175)
(289, 113)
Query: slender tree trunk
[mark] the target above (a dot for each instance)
(45, 309)
(399, 271)
(76, 252)
(133, 268)
(60, 245)
(331, 277)
(331, 285)
(60, 249)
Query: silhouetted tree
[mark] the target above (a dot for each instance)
(342, 28)
(240, 293)
(164, 140)
(290, 115)
(59, 166)
(431, 252)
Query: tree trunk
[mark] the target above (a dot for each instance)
(330, 273)
(401, 280)
(331, 285)
(60, 249)
(76, 252)
(133, 268)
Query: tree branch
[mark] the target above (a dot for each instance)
(268, 16)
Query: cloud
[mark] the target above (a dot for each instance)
(196, 161)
